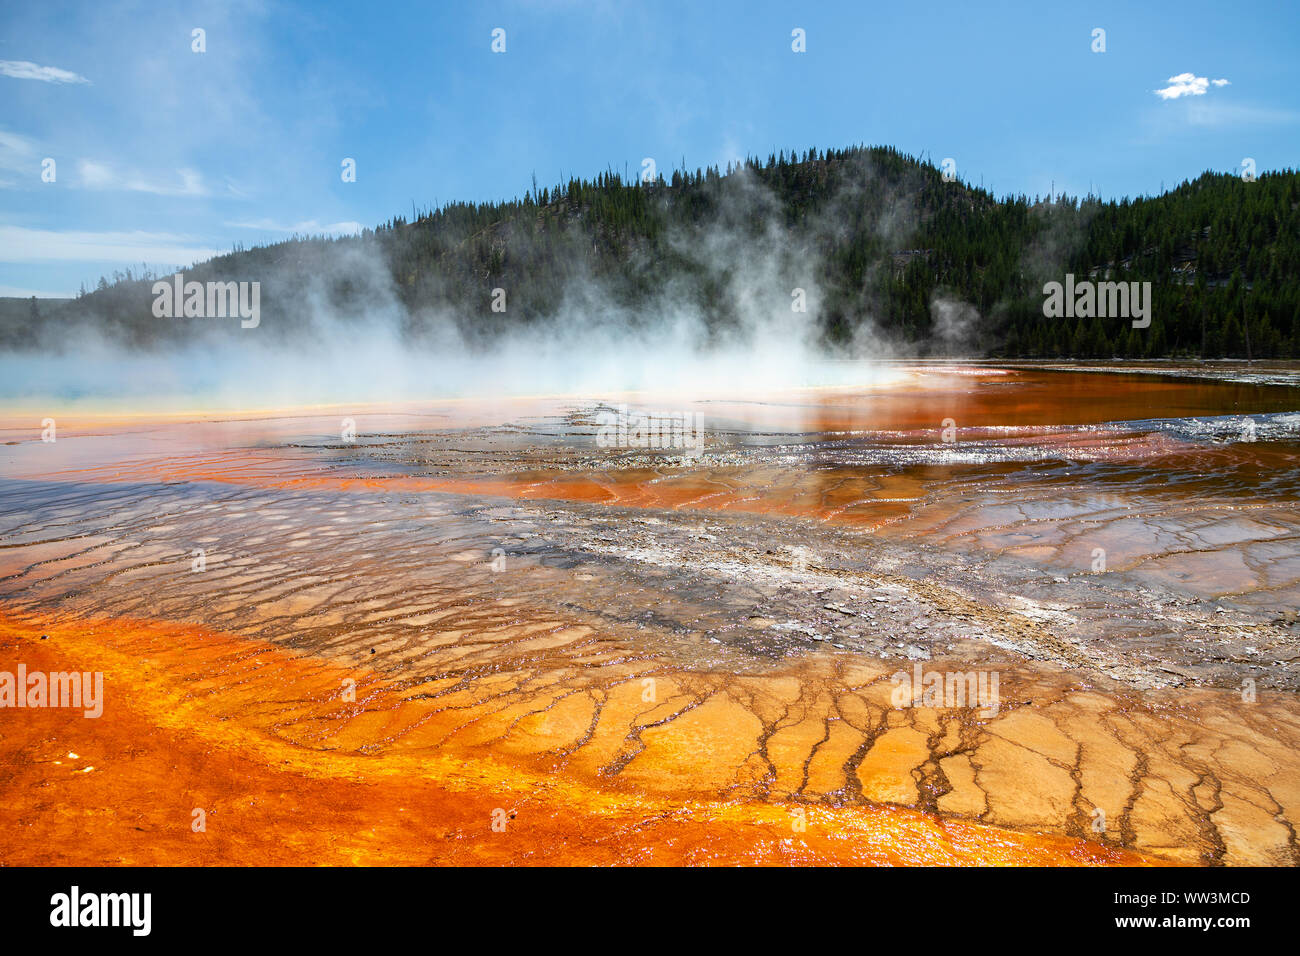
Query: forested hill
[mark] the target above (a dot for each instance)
(878, 240)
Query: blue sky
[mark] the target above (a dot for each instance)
(164, 155)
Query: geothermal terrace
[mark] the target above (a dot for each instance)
(475, 632)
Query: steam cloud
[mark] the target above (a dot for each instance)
(594, 344)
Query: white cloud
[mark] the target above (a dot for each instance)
(23, 70)
(309, 227)
(1187, 84)
(20, 244)
(18, 156)
(102, 176)
(95, 175)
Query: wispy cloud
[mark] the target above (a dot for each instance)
(1239, 114)
(44, 245)
(17, 156)
(95, 175)
(23, 70)
(1187, 84)
(20, 292)
(309, 227)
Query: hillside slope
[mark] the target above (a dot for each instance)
(881, 247)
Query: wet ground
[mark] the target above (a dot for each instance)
(686, 655)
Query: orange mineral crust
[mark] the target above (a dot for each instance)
(287, 770)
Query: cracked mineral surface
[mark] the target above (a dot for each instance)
(966, 615)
